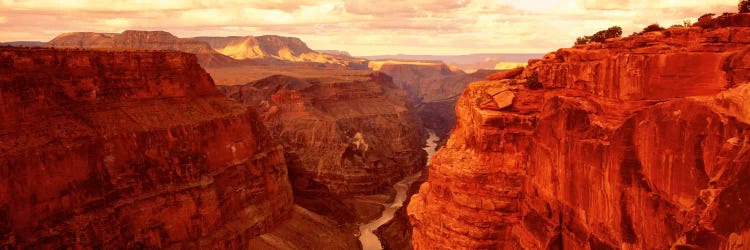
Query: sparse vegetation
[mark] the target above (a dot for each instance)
(600, 36)
(744, 6)
(706, 16)
(652, 27)
(532, 82)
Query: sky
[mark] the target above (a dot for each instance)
(361, 27)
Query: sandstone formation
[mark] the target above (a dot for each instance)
(281, 48)
(635, 143)
(349, 134)
(434, 86)
(142, 40)
(115, 149)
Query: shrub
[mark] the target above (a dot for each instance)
(744, 6)
(583, 40)
(653, 27)
(706, 16)
(532, 82)
(600, 36)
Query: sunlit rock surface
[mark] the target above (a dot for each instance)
(636, 143)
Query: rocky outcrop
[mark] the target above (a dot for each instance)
(636, 143)
(115, 149)
(352, 134)
(277, 48)
(142, 40)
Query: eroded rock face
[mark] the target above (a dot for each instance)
(636, 143)
(354, 134)
(435, 88)
(142, 40)
(130, 150)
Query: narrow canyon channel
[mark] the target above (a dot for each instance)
(368, 239)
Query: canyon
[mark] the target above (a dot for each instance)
(114, 149)
(433, 86)
(640, 142)
(347, 134)
(352, 134)
(144, 140)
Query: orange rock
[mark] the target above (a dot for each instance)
(637, 143)
(505, 74)
(130, 150)
(352, 134)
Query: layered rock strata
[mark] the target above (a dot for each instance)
(636, 143)
(434, 87)
(143, 40)
(130, 150)
(290, 49)
(348, 134)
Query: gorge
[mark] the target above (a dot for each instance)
(203, 139)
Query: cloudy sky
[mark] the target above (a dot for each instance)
(362, 27)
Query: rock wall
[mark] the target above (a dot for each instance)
(352, 134)
(435, 88)
(636, 143)
(130, 150)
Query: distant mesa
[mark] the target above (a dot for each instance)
(142, 40)
(24, 43)
(336, 52)
(211, 51)
(276, 47)
(468, 63)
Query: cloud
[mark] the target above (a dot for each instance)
(399, 7)
(606, 4)
(359, 26)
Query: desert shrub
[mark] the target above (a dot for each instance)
(652, 27)
(744, 6)
(532, 82)
(600, 36)
(582, 40)
(706, 16)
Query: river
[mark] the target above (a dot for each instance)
(368, 239)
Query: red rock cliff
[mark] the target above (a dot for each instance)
(354, 134)
(130, 150)
(635, 143)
